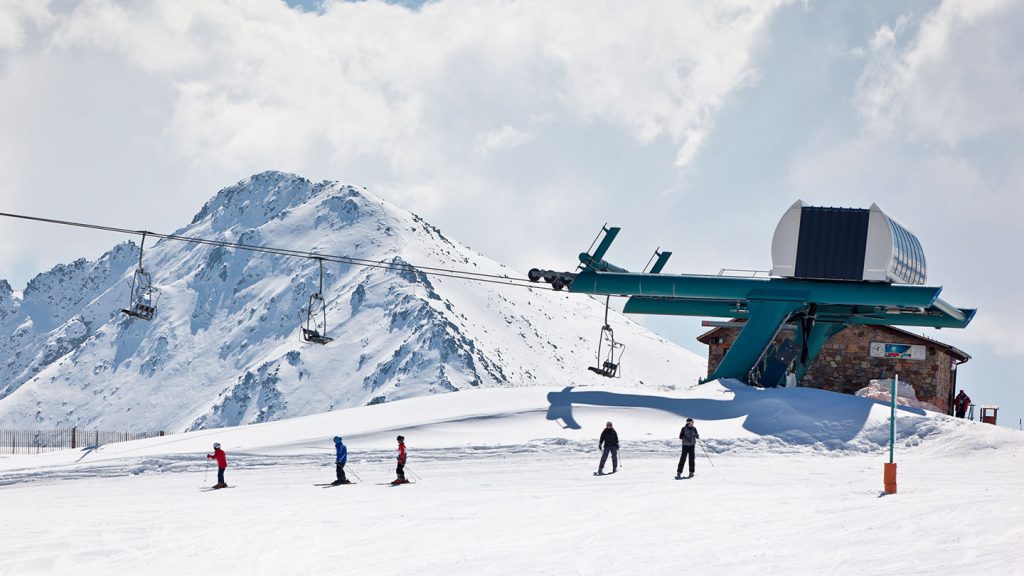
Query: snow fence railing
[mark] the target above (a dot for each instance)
(39, 441)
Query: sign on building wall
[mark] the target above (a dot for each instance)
(898, 351)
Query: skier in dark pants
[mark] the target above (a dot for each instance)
(222, 463)
(341, 456)
(960, 403)
(610, 441)
(689, 436)
(400, 471)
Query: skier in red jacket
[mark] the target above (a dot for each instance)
(401, 462)
(960, 403)
(222, 463)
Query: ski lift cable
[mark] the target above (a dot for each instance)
(429, 270)
(453, 273)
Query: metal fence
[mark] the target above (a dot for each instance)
(38, 441)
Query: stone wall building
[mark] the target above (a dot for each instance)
(859, 354)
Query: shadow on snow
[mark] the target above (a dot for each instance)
(796, 415)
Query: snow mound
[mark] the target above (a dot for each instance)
(905, 394)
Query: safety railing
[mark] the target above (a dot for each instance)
(39, 441)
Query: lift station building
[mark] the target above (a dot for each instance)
(859, 353)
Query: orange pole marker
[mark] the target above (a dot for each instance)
(890, 478)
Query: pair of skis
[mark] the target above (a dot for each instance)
(333, 484)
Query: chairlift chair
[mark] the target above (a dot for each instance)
(315, 328)
(143, 295)
(609, 363)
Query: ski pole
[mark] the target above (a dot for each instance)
(207, 472)
(701, 442)
(414, 475)
(353, 472)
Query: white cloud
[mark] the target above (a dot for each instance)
(18, 17)
(959, 75)
(504, 138)
(150, 106)
(377, 78)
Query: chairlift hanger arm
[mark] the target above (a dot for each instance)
(142, 247)
(320, 261)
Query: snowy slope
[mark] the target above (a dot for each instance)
(224, 348)
(791, 484)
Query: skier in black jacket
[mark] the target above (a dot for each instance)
(689, 436)
(610, 442)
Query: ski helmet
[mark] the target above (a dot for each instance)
(401, 438)
(216, 445)
(337, 439)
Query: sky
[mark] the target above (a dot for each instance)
(520, 127)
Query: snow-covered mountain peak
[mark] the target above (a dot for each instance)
(225, 347)
(265, 197)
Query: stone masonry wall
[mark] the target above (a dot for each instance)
(845, 363)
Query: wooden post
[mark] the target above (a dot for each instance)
(74, 433)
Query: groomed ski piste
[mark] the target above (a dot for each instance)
(791, 484)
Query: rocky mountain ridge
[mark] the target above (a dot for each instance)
(225, 347)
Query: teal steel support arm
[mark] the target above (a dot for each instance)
(926, 319)
(596, 260)
(931, 317)
(715, 308)
(819, 333)
(659, 265)
(737, 289)
(766, 317)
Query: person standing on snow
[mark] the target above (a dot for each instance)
(341, 456)
(610, 442)
(400, 471)
(960, 404)
(222, 463)
(689, 436)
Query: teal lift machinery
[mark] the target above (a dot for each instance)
(832, 268)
